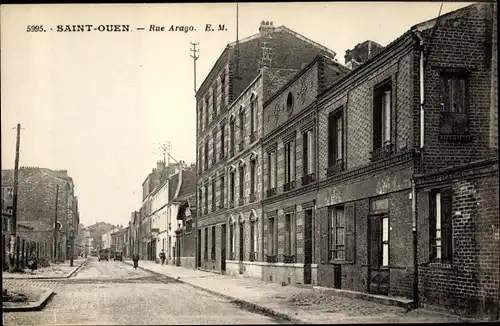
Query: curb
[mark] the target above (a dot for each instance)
(48, 277)
(246, 304)
(35, 306)
(77, 269)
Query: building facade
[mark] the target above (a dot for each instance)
(228, 143)
(289, 165)
(186, 241)
(42, 194)
(407, 165)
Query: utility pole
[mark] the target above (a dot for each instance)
(195, 57)
(55, 225)
(13, 221)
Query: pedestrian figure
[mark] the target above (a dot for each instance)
(162, 257)
(33, 263)
(136, 260)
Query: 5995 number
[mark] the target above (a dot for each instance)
(34, 28)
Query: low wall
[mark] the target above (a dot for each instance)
(248, 268)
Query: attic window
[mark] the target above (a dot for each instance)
(289, 103)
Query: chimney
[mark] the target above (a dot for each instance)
(361, 53)
(266, 29)
(160, 165)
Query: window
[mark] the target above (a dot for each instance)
(222, 91)
(252, 177)
(221, 191)
(222, 139)
(289, 161)
(201, 116)
(271, 237)
(232, 189)
(214, 99)
(231, 136)
(206, 155)
(200, 199)
(337, 233)
(288, 234)
(206, 110)
(8, 192)
(253, 236)
(335, 138)
(454, 115)
(289, 103)
(242, 183)
(454, 93)
(242, 128)
(231, 241)
(253, 114)
(382, 115)
(214, 207)
(212, 253)
(441, 228)
(307, 152)
(214, 146)
(271, 168)
(385, 240)
(189, 226)
(205, 253)
(206, 199)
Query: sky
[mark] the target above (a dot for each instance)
(100, 104)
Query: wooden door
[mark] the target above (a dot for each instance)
(223, 249)
(379, 272)
(308, 246)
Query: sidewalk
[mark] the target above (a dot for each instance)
(297, 304)
(55, 270)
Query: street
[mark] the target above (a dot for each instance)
(113, 293)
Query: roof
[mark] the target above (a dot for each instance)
(188, 185)
(414, 29)
(278, 29)
(25, 171)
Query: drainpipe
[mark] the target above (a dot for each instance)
(413, 187)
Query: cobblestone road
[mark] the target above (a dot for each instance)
(113, 293)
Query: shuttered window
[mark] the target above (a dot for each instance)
(335, 137)
(382, 115)
(338, 224)
(441, 226)
(270, 236)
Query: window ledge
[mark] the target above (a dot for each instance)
(457, 138)
(337, 262)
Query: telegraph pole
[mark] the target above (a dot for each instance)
(55, 225)
(13, 222)
(195, 57)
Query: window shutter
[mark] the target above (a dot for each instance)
(350, 232)
(331, 139)
(323, 223)
(377, 120)
(432, 225)
(446, 224)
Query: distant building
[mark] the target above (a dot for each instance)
(36, 207)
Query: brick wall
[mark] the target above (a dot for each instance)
(357, 100)
(458, 41)
(470, 284)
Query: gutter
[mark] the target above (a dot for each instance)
(413, 187)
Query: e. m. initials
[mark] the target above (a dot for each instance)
(208, 28)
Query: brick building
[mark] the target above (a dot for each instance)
(36, 207)
(289, 172)
(226, 144)
(408, 206)
(186, 241)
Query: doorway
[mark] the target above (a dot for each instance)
(242, 245)
(308, 246)
(223, 249)
(378, 254)
(198, 251)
